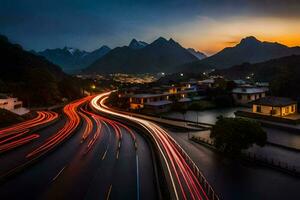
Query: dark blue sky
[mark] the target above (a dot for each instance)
(206, 25)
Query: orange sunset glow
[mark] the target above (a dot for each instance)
(211, 36)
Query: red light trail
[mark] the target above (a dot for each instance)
(73, 121)
(182, 177)
(15, 136)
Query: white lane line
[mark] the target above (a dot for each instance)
(58, 174)
(137, 177)
(109, 191)
(104, 155)
(107, 146)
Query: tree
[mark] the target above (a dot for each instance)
(70, 88)
(232, 135)
(117, 101)
(43, 87)
(3, 87)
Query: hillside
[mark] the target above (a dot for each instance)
(283, 74)
(160, 56)
(32, 78)
(249, 50)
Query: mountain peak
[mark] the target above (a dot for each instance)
(250, 40)
(71, 50)
(134, 44)
(161, 39)
(198, 54)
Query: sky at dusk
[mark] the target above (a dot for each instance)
(206, 25)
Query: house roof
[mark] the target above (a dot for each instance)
(148, 95)
(274, 101)
(249, 90)
(159, 103)
(182, 100)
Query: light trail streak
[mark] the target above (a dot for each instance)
(73, 121)
(89, 125)
(42, 117)
(182, 177)
(15, 136)
(17, 143)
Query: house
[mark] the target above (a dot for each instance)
(156, 107)
(245, 95)
(138, 101)
(12, 104)
(207, 83)
(274, 106)
(239, 82)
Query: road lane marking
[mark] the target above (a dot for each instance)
(58, 174)
(104, 155)
(109, 191)
(137, 177)
(118, 152)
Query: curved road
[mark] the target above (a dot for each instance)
(81, 156)
(181, 173)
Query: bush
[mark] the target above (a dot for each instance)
(232, 135)
(8, 118)
(202, 105)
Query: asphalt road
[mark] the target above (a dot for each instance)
(234, 180)
(79, 170)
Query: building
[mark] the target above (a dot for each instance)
(12, 104)
(138, 101)
(245, 95)
(156, 107)
(208, 83)
(274, 106)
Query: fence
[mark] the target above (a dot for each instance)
(264, 160)
(201, 178)
(283, 166)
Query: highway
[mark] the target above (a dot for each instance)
(181, 173)
(80, 155)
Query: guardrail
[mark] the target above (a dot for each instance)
(263, 160)
(282, 166)
(201, 178)
(212, 195)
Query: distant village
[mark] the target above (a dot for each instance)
(195, 94)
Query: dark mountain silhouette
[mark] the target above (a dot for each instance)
(32, 78)
(248, 50)
(264, 71)
(72, 59)
(134, 44)
(198, 54)
(160, 56)
(282, 73)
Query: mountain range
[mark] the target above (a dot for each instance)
(72, 59)
(164, 55)
(137, 57)
(161, 55)
(249, 50)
